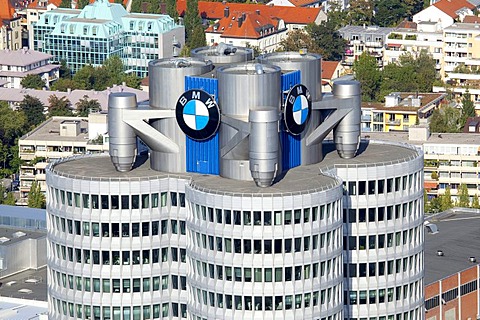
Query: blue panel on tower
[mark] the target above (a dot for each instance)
(203, 156)
(291, 145)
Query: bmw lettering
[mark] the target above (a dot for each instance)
(197, 114)
(298, 107)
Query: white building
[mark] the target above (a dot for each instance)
(446, 12)
(16, 65)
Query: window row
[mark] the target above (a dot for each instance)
(267, 218)
(381, 241)
(276, 246)
(409, 315)
(124, 229)
(279, 274)
(383, 295)
(381, 214)
(136, 201)
(107, 257)
(119, 285)
(267, 303)
(381, 186)
(90, 312)
(382, 268)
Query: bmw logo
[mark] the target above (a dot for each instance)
(197, 114)
(298, 107)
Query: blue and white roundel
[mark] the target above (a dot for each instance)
(298, 107)
(300, 110)
(195, 114)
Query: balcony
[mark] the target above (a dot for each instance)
(393, 122)
(366, 118)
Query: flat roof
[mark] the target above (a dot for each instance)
(34, 281)
(50, 131)
(15, 235)
(296, 180)
(435, 138)
(458, 238)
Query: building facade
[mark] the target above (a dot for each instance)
(232, 218)
(104, 29)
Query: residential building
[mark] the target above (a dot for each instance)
(10, 27)
(446, 12)
(412, 38)
(16, 65)
(331, 70)
(103, 29)
(361, 39)
(15, 96)
(230, 223)
(400, 111)
(242, 29)
(293, 17)
(56, 138)
(296, 3)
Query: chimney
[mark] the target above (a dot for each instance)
(163, 8)
(226, 12)
(257, 11)
(240, 21)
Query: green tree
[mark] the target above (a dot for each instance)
(65, 84)
(445, 119)
(136, 6)
(36, 199)
(33, 109)
(82, 3)
(336, 16)
(328, 39)
(59, 106)
(360, 12)
(468, 108)
(463, 197)
(426, 203)
(113, 67)
(191, 18)
(172, 9)
(367, 73)
(446, 200)
(15, 162)
(475, 202)
(10, 200)
(12, 124)
(86, 106)
(389, 13)
(84, 77)
(299, 39)
(197, 39)
(65, 72)
(32, 81)
(66, 4)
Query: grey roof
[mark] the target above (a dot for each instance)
(476, 3)
(17, 95)
(21, 74)
(39, 289)
(9, 233)
(22, 57)
(435, 138)
(50, 131)
(458, 238)
(365, 30)
(298, 179)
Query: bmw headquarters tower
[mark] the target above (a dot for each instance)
(257, 200)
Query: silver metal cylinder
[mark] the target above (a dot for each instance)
(346, 133)
(223, 54)
(242, 88)
(310, 66)
(166, 85)
(122, 138)
(264, 145)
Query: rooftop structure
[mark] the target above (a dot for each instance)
(103, 29)
(15, 65)
(21, 309)
(241, 185)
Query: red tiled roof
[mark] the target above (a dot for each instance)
(302, 3)
(112, 1)
(471, 19)
(450, 7)
(405, 24)
(215, 10)
(6, 9)
(34, 4)
(253, 26)
(328, 69)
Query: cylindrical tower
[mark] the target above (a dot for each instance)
(116, 242)
(274, 254)
(310, 66)
(223, 54)
(242, 88)
(167, 83)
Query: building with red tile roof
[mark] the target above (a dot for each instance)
(446, 12)
(248, 28)
(10, 27)
(296, 3)
(471, 19)
(294, 17)
(331, 70)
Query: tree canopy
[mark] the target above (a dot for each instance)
(446, 119)
(36, 199)
(367, 73)
(299, 39)
(191, 19)
(59, 106)
(33, 109)
(86, 106)
(33, 81)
